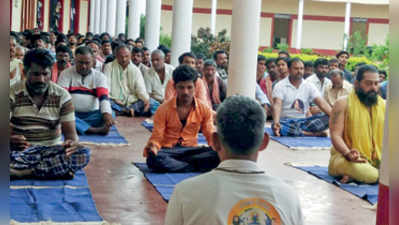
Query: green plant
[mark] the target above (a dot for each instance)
(307, 51)
(282, 47)
(205, 43)
(357, 45)
(142, 26)
(166, 40)
(267, 50)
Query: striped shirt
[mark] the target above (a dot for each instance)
(40, 126)
(89, 93)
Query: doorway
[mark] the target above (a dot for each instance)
(282, 23)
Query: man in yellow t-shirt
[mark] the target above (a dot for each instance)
(356, 127)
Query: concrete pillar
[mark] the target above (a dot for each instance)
(97, 15)
(152, 24)
(103, 16)
(134, 19)
(181, 31)
(213, 16)
(347, 24)
(111, 17)
(121, 17)
(244, 48)
(92, 15)
(299, 25)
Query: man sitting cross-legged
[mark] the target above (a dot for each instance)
(40, 112)
(173, 145)
(126, 84)
(89, 91)
(291, 97)
(238, 191)
(357, 130)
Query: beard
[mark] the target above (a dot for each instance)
(37, 88)
(367, 98)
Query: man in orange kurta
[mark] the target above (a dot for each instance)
(173, 145)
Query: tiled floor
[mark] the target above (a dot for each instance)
(122, 194)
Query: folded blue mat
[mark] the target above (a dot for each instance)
(164, 183)
(299, 143)
(201, 137)
(113, 137)
(53, 204)
(79, 180)
(367, 192)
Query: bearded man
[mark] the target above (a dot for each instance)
(356, 126)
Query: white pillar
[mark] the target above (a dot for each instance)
(244, 48)
(92, 15)
(97, 15)
(347, 24)
(181, 31)
(111, 17)
(121, 17)
(299, 25)
(213, 16)
(134, 19)
(152, 24)
(103, 16)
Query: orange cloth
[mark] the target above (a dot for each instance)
(215, 97)
(200, 91)
(168, 128)
(54, 72)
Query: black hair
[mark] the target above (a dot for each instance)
(215, 55)
(92, 41)
(284, 52)
(41, 57)
(341, 53)
(240, 122)
(186, 54)
(89, 34)
(331, 61)
(164, 49)
(261, 58)
(286, 60)
(200, 56)
(308, 64)
(294, 60)
(363, 69)
(383, 72)
(63, 48)
(320, 61)
(83, 50)
(270, 60)
(137, 50)
(184, 73)
(145, 49)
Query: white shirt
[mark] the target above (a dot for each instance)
(154, 86)
(219, 197)
(98, 66)
(88, 93)
(314, 79)
(295, 101)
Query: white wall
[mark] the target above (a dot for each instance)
(16, 8)
(378, 33)
(265, 30)
(320, 34)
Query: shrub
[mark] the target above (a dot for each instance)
(205, 43)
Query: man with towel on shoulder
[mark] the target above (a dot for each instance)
(357, 130)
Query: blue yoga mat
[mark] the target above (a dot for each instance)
(53, 204)
(301, 142)
(201, 137)
(79, 180)
(164, 183)
(365, 191)
(113, 137)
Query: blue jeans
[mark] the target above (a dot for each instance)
(183, 159)
(138, 107)
(295, 127)
(85, 120)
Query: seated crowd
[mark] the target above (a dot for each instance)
(65, 85)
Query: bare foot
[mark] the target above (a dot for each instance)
(131, 113)
(345, 179)
(315, 134)
(103, 130)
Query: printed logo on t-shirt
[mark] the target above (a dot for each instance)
(253, 211)
(298, 105)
